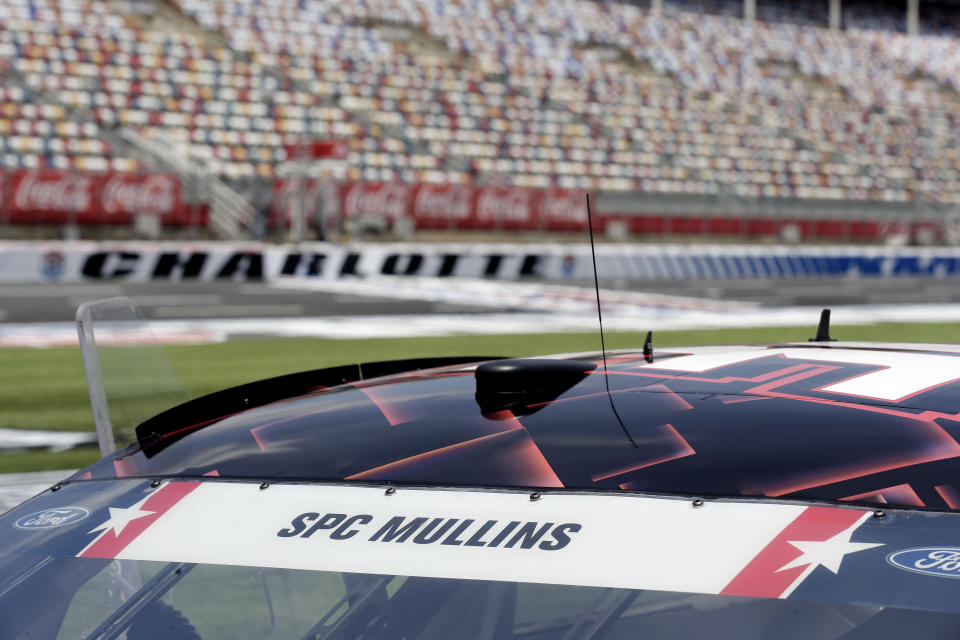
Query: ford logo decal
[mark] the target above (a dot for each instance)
(932, 561)
(56, 517)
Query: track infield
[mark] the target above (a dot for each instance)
(46, 389)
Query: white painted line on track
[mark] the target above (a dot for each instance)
(59, 291)
(355, 299)
(52, 440)
(501, 295)
(230, 311)
(165, 300)
(64, 334)
(170, 331)
(263, 289)
(513, 307)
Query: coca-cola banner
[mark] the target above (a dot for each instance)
(52, 196)
(380, 199)
(47, 196)
(441, 206)
(494, 208)
(152, 194)
(437, 206)
(563, 209)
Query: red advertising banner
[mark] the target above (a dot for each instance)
(488, 207)
(505, 208)
(495, 207)
(52, 195)
(563, 209)
(152, 193)
(5, 186)
(441, 206)
(381, 199)
(48, 196)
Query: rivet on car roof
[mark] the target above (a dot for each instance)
(390, 491)
(535, 496)
(698, 502)
(879, 514)
(264, 485)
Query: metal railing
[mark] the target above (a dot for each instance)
(231, 216)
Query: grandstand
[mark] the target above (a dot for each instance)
(683, 98)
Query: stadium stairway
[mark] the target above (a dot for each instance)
(230, 214)
(167, 17)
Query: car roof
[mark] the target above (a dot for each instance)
(853, 422)
(761, 436)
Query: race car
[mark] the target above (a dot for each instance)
(803, 490)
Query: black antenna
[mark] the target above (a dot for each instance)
(823, 329)
(603, 346)
(648, 347)
(596, 286)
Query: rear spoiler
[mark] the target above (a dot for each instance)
(156, 433)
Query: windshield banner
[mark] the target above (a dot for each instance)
(770, 550)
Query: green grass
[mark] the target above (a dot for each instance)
(22, 461)
(46, 389)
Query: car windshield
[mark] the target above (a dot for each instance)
(67, 598)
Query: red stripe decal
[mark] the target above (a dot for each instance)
(773, 572)
(949, 494)
(902, 494)
(126, 524)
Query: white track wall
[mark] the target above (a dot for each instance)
(66, 262)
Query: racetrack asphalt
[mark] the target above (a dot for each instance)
(187, 300)
(182, 300)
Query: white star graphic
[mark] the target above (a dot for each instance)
(120, 518)
(828, 553)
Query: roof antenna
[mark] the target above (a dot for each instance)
(648, 347)
(823, 329)
(603, 346)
